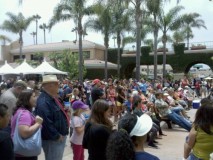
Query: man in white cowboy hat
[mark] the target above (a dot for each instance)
(56, 122)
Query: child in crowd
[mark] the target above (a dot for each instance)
(78, 123)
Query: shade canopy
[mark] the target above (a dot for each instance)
(24, 68)
(46, 68)
(7, 69)
(208, 78)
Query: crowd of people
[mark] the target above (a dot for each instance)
(105, 117)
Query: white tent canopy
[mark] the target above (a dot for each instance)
(7, 69)
(24, 68)
(46, 68)
(208, 78)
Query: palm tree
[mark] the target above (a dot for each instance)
(33, 34)
(36, 18)
(121, 22)
(169, 22)
(76, 10)
(154, 7)
(4, 39)
(138, 20)
(102, 23)
(44, 27)
(17, 24)
(192, 20)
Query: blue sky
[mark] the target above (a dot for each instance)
(62, 31)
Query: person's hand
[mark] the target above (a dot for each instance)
(61, 138)
(38, 120)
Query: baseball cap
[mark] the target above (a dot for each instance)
(79, 104)
(95, 81)
(142, 126)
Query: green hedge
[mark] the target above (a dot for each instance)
(179, 48)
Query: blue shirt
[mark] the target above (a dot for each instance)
(54, 121)
(128, 105)
(145, 156)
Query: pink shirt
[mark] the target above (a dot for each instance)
(26, 118)
(77, 122)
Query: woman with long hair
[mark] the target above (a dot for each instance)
(200, 139)
(27, 123)
(97, 130)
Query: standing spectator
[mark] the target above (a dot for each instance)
(197, 88)
(97, 130)
(184, 82)
(67, 91)
(97, 92)
(56, 122)
(6, 144)
(87, 88)
(111, 96)
(200, 139)
(9, 98)
(27, 123)
(77, 123)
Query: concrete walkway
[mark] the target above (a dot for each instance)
(170, 147)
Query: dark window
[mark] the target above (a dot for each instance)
(16, 57)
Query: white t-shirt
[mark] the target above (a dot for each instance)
(77, 122)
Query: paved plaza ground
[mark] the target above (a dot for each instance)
(170, 147)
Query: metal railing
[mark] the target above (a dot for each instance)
(169, 46)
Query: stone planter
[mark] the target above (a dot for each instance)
(162, 49)
(198, 47)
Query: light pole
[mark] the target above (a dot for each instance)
(114, 37)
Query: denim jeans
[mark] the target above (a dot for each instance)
(179, 120)
(53, 150)
(193, 157)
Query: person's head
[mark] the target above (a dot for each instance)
(79, 107)
(136, 101)
(27, 99)
(101, 112)
(19, 86)
(136, 127)
(75, 91)
(36, 89)
(205, 101)
(4, 116)
(158, 95)
(165, 95)
(110, 85)
(50, 84)
(96, 82)
(203, 118)
(120, 146)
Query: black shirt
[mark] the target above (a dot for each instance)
(6, 146)
(96, 94)
(95, 140)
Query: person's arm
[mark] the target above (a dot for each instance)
(190, 144)
(27, 131)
